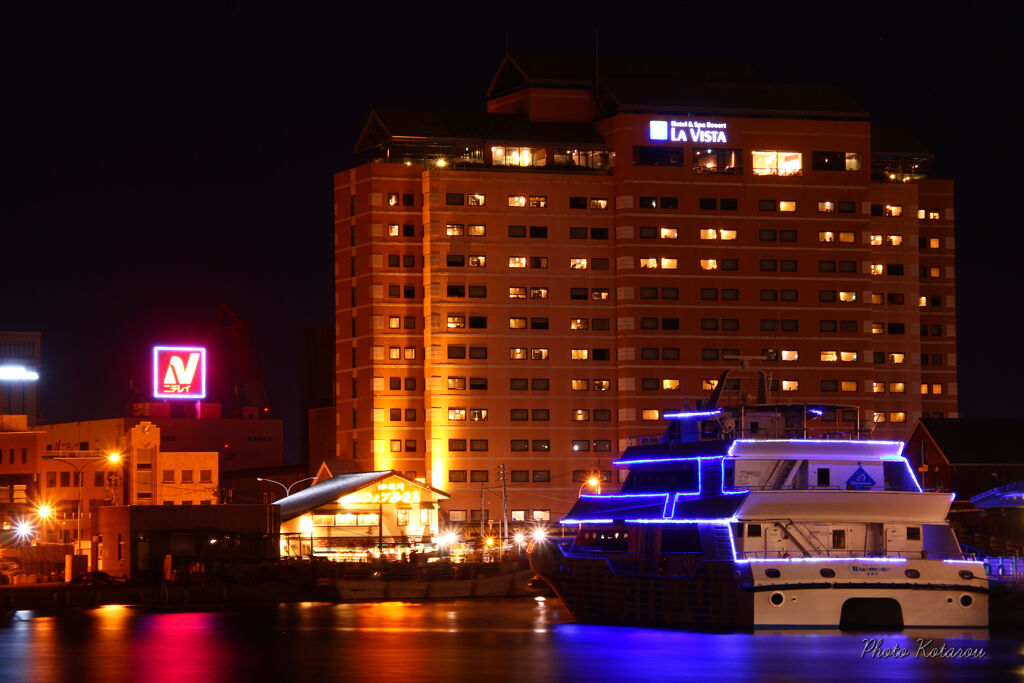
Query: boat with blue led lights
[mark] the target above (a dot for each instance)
(765, 517)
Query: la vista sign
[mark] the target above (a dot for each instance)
(705, 132)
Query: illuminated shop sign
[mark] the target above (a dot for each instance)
(705, 132)
(394, 492)
(179, 372)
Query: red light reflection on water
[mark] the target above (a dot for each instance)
(187, 646)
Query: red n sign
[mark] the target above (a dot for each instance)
(179, 372)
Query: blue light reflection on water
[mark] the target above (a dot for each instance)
(498, 640)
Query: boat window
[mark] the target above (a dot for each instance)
(913, 533)
(823, 477)
(602, 539)
(772, 573)
(912, 574)
(966, 574)
(753, 530)
(683, 479)
(838, 539)
(827, 573)
(682, 539)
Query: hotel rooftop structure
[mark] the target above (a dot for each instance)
(521, 291)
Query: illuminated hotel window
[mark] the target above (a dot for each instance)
(899, 416)
(393, 230)
(517, 323)
(517, 261)
(648, 202)
(894, 240)
(578, 324)
(598, 203)
(669, 263)
(709, 234)
(648, 263)
(829, 356)
(787, 205)
(878, 387)
(579, 354)
(922, 301)
(826, 236)
(478, 261)
(708, 384)
(893, 210)
(877, 328)
(720, 161)
(392, 199)
(477, 230)
(456, 322)
(456, 383)
(826, 207)
(478, 415)
(877, 269)
(669, 233)
(454, 229)
(476, 199)
(456, 414)
(394, 322)
(789, 355)
(847, 297)
(933, 242)
(518, 156)
(538, 201)
(847, 237)
(517, 200)
(539, 354)
(934, 215)
(517, 353)
(602, 384)
(650, 414)
(670, 384)
(835, 161)
(580, 415)
(897, 387)
(790, 385)
(895, 358)
(394, 353)
(879, 417)
(706, 264)
(920, 214)
(538, 292)
(776, 162)
(409, 353)
(876, 240)
(580, 384)
(599, 294)
(936, 389)
(578, 263)
(933, 271)
(848, 356)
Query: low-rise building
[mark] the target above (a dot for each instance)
(360, 515)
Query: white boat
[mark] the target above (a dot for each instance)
(730, 522)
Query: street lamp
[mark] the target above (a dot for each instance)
(288, 488)
(592, 482)
(111, 458)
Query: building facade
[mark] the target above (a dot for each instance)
(521, 291)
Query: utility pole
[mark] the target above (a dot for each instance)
(482, 521)
(504, 505)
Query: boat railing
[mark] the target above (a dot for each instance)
(847, 554)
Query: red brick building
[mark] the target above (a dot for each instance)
(534, 284)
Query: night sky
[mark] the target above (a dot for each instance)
(163, 158)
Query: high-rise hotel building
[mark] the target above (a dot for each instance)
(531, 286)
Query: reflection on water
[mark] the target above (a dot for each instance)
(451, 641)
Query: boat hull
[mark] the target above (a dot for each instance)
(726, 595)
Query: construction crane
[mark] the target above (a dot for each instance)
(250, 394)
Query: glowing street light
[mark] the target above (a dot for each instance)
(539, 535)
(23, 530)
(593, 482)
(44, 511)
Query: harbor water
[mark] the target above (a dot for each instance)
(483, 640)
